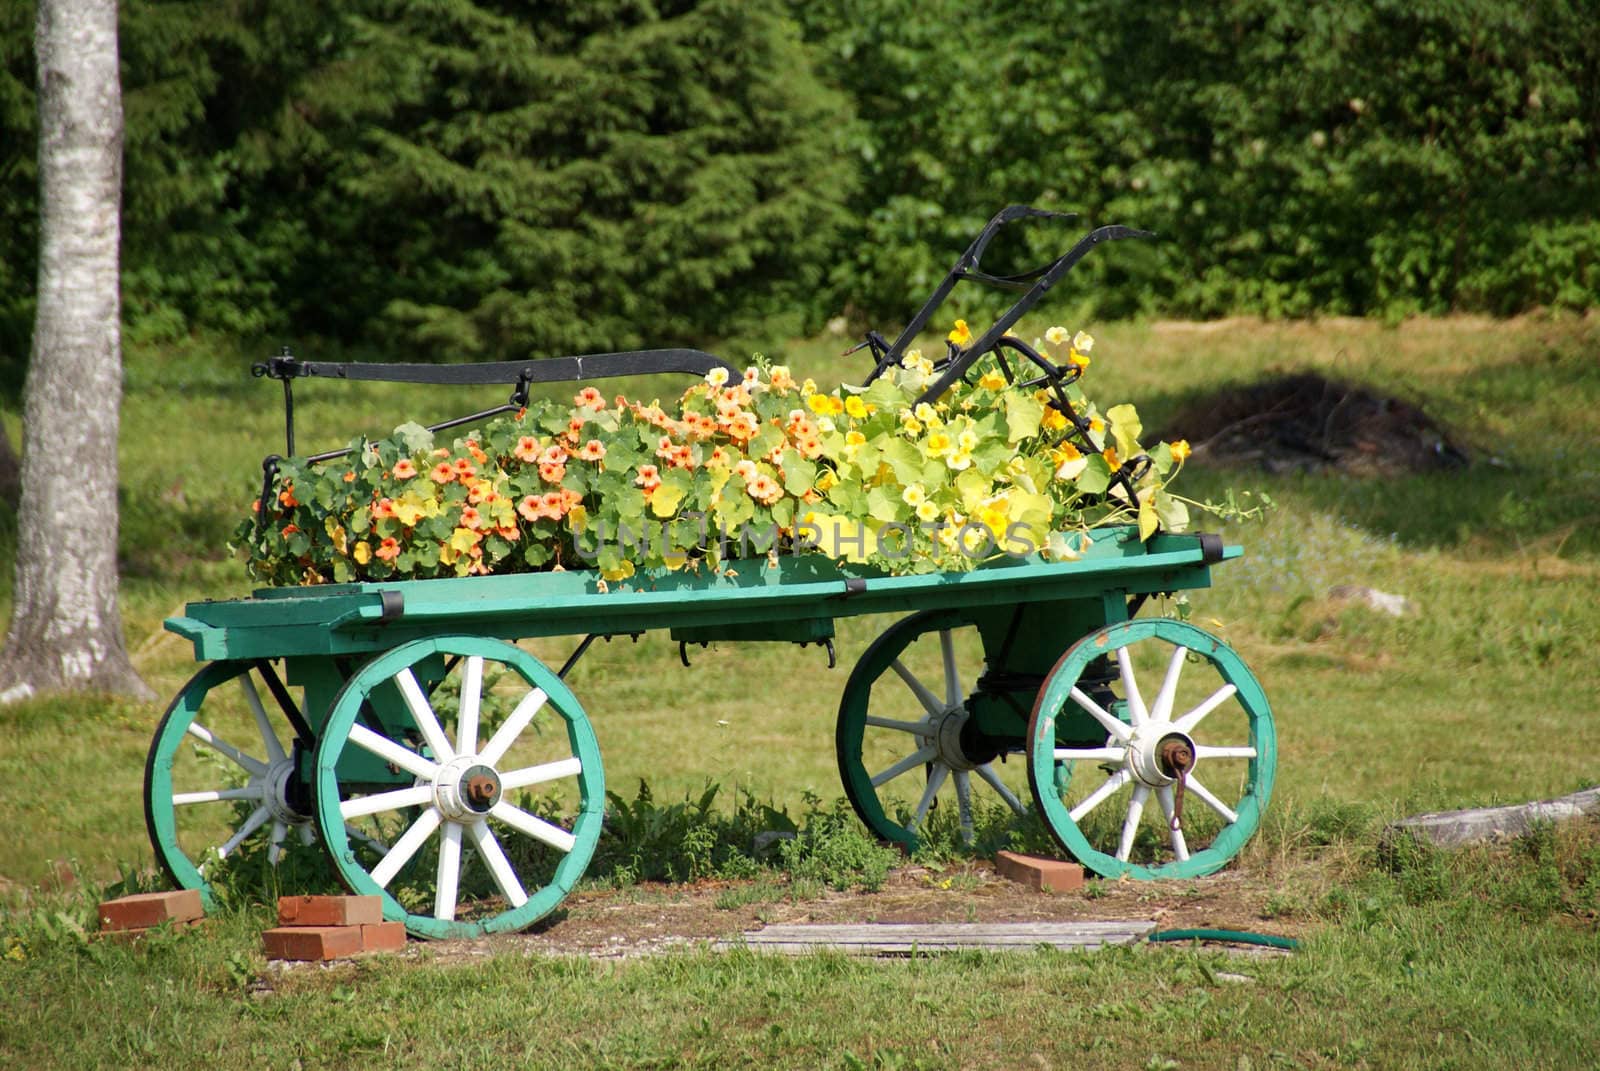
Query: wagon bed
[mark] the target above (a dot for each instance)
(790, 596)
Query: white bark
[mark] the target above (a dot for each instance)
(66, 632)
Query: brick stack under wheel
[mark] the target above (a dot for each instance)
(320, 928)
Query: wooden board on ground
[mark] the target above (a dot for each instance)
(902, 939)
(1452, 829)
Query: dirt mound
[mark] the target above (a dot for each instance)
(1305, 422)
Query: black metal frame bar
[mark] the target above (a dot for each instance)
(955, 364)
(522, 374)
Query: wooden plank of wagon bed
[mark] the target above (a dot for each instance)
(900, 939)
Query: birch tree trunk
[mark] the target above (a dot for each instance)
(66, 632)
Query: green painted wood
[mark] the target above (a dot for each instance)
(1049, 780)
(159, 814)
(351, 619)
(330, 765)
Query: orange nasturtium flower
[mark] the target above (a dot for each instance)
(388, 550)
(589, 398)
(593, 450)
(442, 473)
(404, 469)
(1180, 450)
(527, 450)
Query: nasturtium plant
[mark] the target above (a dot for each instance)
(737, 467)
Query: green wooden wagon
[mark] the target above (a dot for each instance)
(443, 767)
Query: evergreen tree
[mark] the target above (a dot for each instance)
(505, 179)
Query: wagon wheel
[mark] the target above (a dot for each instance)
(433, 751)
(904, 712)
(1202, 744)
(221, 777)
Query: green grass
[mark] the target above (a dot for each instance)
(1484, 694)
(1417, 959)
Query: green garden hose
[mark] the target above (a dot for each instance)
(1238, 937)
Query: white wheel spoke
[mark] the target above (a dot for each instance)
(1130, 827)
(534, 826)
(964, 803)
(248, 792)
(952, 677)
(1099, 795)
(512, 728)
(280, 829)
(1104, 754)
(1162, 711)
(1206, 751)
(499, 866)
(1108, 721)
(207, 737)
(916, 728)
(1137, 714)
(929, 701)
(269, 739)
(992, 779)
(386, 801)
(538, 775)
(1191, 785)
(257, 819)
(422, 713)
(911, 761)
(1180, 846)
(389, 751)
(471, 702)
(449, 873)
(1213, 701)
(404, 848)
(935, 780)
(308, 835)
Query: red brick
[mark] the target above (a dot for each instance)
(1051, 875)
(383, 937)
(311, 942)
(329, 910)
(144, 910)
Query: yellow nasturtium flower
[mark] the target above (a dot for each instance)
(992, 380)
(855, 407)
(961, 334)
(1180, 450)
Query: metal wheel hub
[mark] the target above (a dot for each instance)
(949, 731)
(466, 789)
(280, 784)
(1158, 751)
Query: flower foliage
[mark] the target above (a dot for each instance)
(737, 467)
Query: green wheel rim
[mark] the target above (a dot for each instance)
(856, 707)
(1241, 710)
(348, 736)
(185, 723)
